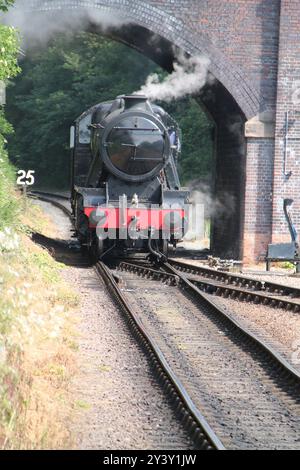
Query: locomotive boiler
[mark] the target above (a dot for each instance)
(126, 194)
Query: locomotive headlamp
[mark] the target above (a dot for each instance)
(98, 217)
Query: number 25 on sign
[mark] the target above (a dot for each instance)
(26, 178)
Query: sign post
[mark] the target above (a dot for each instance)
(2, 93)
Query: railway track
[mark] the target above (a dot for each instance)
(57, 200)
(191, 417)
(187, 413)
(246, 295)
(247, 392)
(234, 292)
(228, 388)
(236, 279)
(52, 196)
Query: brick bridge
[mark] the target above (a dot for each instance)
(254, 51)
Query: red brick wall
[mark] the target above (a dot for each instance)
(263, 39)
(245, 31)
(288, 75)
(247, 34)
(258, 198)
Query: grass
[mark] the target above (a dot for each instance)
(104, 368)
(48, 268)
(37, 343)
(287, 265)
(82, 405)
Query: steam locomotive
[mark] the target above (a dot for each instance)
(125, 189)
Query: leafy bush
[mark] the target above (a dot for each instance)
(9, 43)
(8, 199)
(5, 4)
(34, 318)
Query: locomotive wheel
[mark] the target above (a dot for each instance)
(96, 248)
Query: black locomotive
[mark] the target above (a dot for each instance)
(126, 192)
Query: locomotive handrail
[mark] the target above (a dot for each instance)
(137, 129)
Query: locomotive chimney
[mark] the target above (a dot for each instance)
(136, 102)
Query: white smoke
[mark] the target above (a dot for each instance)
(189, 76)
(39, 27)
(205, 206)
(215, 206)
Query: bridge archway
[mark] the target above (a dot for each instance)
(230, 100)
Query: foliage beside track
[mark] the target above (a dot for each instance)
(36, 344)
(36, 358)
(5, 4)
(9, 45)
(8, 200)
(74, 73)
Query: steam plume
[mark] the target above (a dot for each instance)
(189, 76)
(41, 26)
(215, 206)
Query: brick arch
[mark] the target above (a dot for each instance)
(245, 93)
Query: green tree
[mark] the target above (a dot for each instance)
(74, 73)
(5, 4)
(56, 87)
(197, 139)
(9, 45)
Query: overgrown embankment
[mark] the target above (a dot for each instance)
(36, 343)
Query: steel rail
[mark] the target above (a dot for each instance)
(51, 198)
(232, 291)
(236, 279)
(245, 295)
(49, 194)
(191, 417)
(281, 365)
(227, 291)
